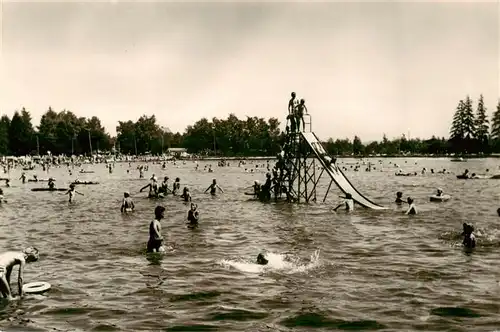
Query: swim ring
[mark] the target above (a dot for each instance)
(36, 287)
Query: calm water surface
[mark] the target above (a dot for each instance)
(328, 271)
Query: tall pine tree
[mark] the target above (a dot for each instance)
(468, 121)
(482, 126)
(495, 129)
(4, 135)
(457, 131)
(495, 124)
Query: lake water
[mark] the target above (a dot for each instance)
(366, 270)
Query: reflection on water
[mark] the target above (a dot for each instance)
(365, 270)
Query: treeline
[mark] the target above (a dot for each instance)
(65, 133)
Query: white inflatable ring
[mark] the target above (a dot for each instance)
(36, 287)
(128, 210)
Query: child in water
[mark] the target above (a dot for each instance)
(155, 242)
(193, 216)
(349, 203)
(186, 195)
(399, 197)
(72, 191)
(213, 187)
(469, 238)
(411, 207)
(127, 204)
(176, 186)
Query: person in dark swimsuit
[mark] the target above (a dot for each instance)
(155, 242)
(291, 112)
(399, 198)
(193, 216)
(51, 184)
(186, 195)
(261, 260)
(213, 188)
(301, 110)
(469, 238)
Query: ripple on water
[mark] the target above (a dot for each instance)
(374, 271)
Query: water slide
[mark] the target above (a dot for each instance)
(337, 175)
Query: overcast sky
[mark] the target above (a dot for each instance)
(363, 68)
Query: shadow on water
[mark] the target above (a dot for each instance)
(320, 321)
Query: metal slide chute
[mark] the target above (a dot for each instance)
(337, 175)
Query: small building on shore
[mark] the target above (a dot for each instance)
(178, 152)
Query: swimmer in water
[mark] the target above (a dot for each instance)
(7, 183)
(23, 177)
(71, 192)
(399, 197)
(3, 200)
(411, 207)
(176, 186)
(439, 192)
(498, 211)
(155, 242)
(256, 187)
(51, 184)
(469, 237)
(213, 187)
(153, 187)
(8, 261)
(127, 204)
(261, 260)
(348, 203)
(186, 195)
(193, 216)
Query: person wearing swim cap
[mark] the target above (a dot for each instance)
(261, 260)
(348, 203)
(8, 261)
(411, 206)
(469, 237)
(153, 187)
(155, 242)
(127, 203)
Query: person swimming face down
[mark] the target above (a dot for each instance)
(261, 260)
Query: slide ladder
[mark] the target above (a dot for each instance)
(336, 173)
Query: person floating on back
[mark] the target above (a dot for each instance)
(8, 261)
(155, 242)
(72, 191)
(127, 203)
(348, 203)
(261, 260)
(411, 207)
(399, 197)
(193, 216)
(213, 187)
(469, 237)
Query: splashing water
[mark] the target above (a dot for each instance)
(276, 262)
